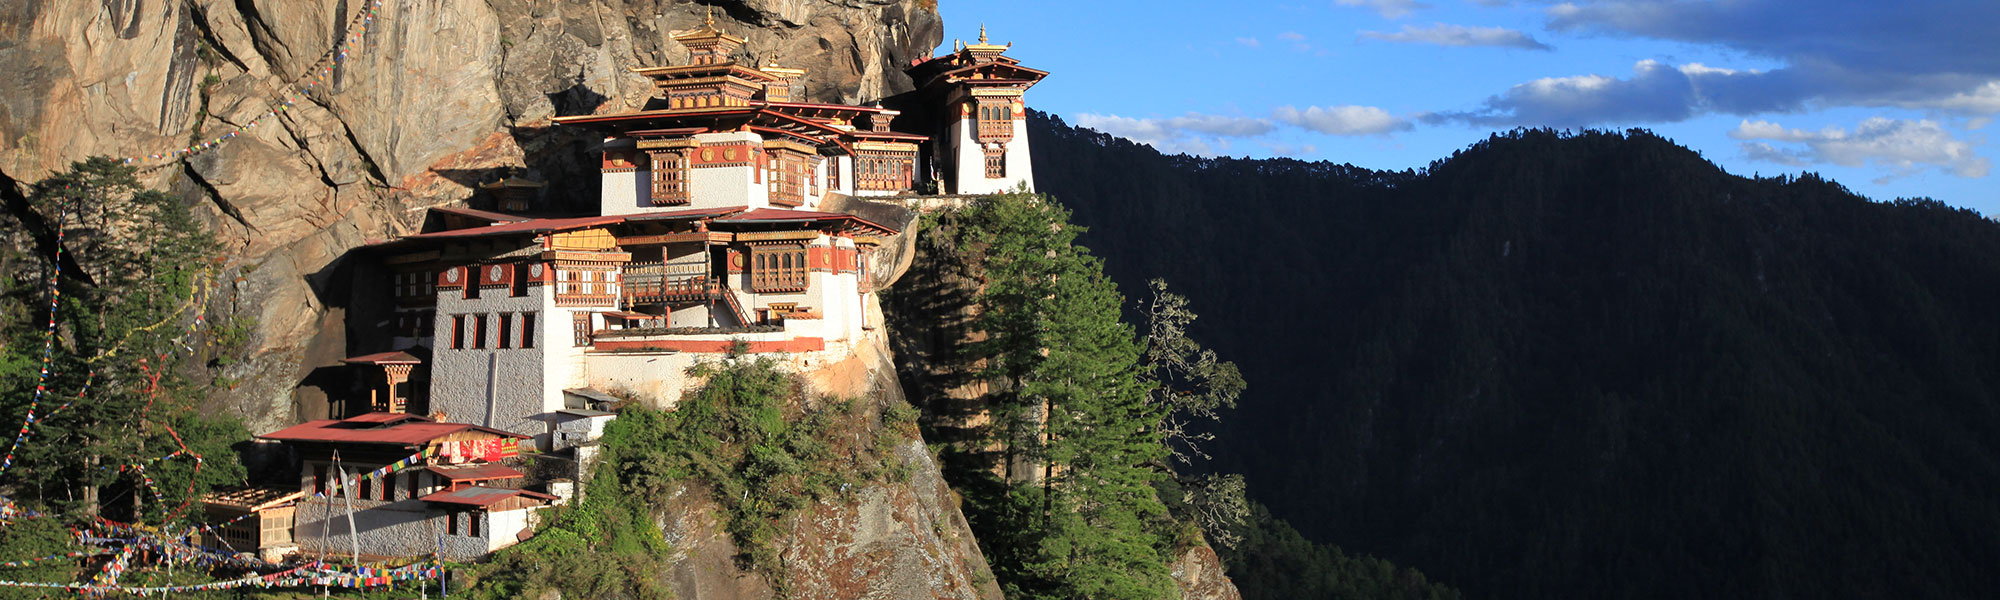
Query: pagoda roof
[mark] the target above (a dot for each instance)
(678, 71)
(378, 428)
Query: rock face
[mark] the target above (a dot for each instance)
(435, 97)
(888, 541)
(1200, 575)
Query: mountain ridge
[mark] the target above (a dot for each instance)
(1582, 365)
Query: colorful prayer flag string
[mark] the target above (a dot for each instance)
(48, 340)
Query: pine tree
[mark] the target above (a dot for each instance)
(1073, 415)
(134, 262)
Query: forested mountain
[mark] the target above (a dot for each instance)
(1583, 365)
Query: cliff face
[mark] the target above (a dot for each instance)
(435, 97)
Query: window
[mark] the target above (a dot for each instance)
(582, 327)
(670, 178)
(458, 332)
(319, 478)
(478, 332)
(996, 164)
(778, 268)
(520, 283)
(472, 524)
(833, 175)
(506, 333)
(527, 330)
(472, 275)
(451, 523)
(367, 491)
(389, 488)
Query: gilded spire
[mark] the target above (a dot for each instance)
(709, 22)
(982, 33)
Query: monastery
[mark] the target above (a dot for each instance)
(521, 335)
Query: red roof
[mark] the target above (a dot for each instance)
(519, 227)
(383, 358)
(372, 428)
(780, 215)
(478, 214)
(481, 495)
(481, 472)
(684, 213)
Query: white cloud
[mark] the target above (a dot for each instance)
(1249, 41)
(1655, 92)
(1982, 100)
(1389, 9)
(1292, 36)
(1924, 54)
(1903, 146)
(1193, 133)
(1342, 120)
(1443, 34)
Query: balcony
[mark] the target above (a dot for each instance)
(652, 282)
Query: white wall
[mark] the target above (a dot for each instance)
(728, 186)
(658, 377)
(964, 151)
(495, 387)
(625, 192)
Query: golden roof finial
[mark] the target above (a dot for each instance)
(710, 21)
(982, 33)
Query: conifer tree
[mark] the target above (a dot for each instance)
(1073, 410)
(133, 263)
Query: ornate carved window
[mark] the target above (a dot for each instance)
(778, 269)
(996, 120)
(996, 163)
(670, 178)
(788, 178)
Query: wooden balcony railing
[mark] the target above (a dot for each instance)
(656, 282)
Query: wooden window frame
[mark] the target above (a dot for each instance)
(672, 175)
(779, 269)
(458, 332)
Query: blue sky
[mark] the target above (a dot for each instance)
(1892, 99)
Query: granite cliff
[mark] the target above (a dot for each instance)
(436, 97)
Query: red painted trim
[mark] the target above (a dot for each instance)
(804, 344)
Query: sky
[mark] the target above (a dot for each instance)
(1892, 99)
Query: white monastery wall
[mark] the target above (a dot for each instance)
(504, 388)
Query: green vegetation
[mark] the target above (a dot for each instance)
(1274, 562)
(1073, 512)
(1582, 365)
(751, 437)
(134, 267)
(136, 263)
